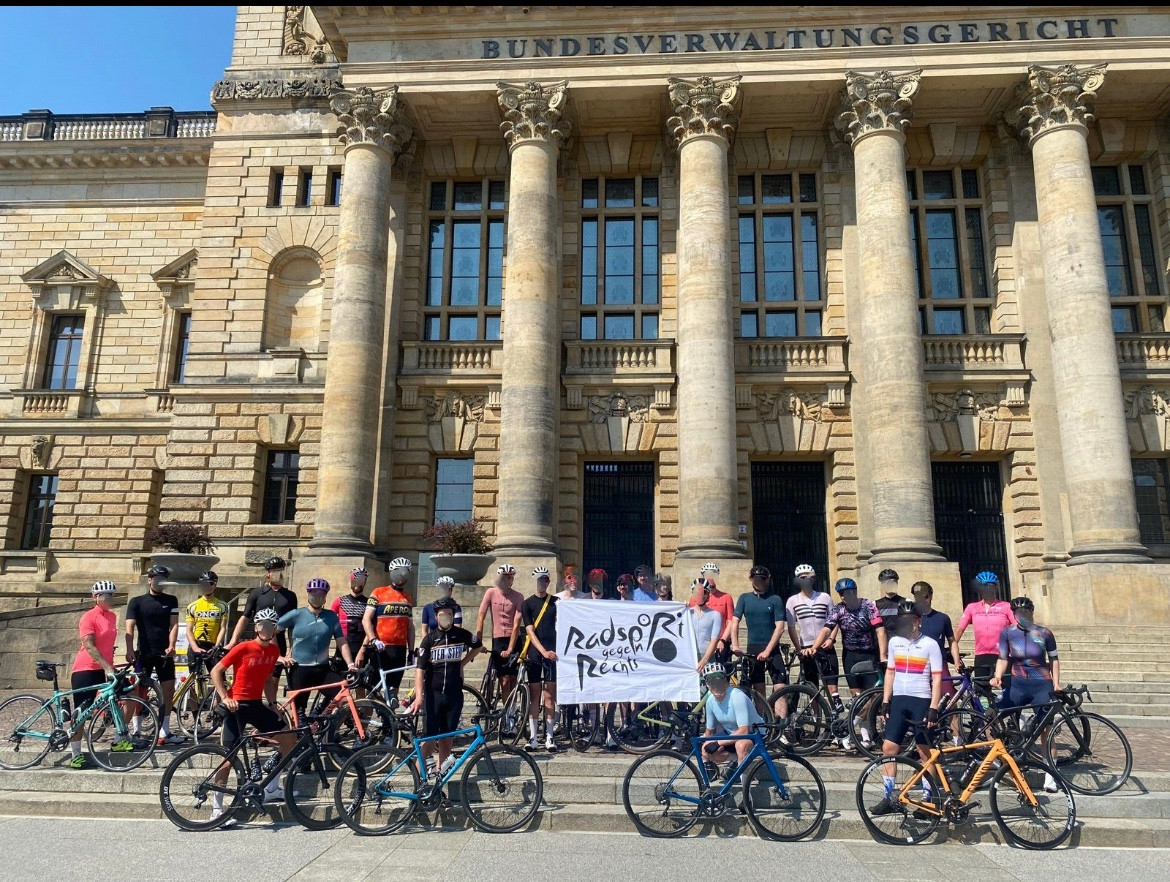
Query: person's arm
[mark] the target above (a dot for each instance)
(131, 624)
(1050, 648)
(192, 646)
(173, 636)
(964, 621)
(777, 633)
(821, 638)
(515, 633)
(341, 643)
(410, 637)
(1001, 664)
(883, 642)
(484, 605)
(793, 635)
(245, 617)
(89, 644)
(368, 625)
(419, 677)
(221, 689)
(888, 686)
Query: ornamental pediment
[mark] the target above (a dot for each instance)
(65, 281)
(180, 270)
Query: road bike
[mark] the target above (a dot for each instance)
(903, 801)
(31, 726)
(379, 789)
(189, 698)
(665, 792)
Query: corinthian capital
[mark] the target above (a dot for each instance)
(369, 117)
(1055, 97)
(879, 102)
(533, 112)
(703, 107)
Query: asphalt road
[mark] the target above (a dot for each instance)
(52, 849)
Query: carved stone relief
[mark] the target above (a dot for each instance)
(1147, 412)
(877, 102)
(790, 420)
(635, 408)
(277, 84)
(297, 40)
(1053, 97)
(533, 112)
(703, 106)
(772, 404)
(454, 420)
(40, 454)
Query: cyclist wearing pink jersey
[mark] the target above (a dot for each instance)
(989, 617)
(505, 603)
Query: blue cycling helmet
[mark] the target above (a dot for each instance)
(844, 585)
(318, 586)
(986, 578)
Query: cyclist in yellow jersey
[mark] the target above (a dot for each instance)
(206, 621)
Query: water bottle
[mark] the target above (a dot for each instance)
(66, 710)
(969, 772)
(271, 763)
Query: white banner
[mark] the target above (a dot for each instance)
(612, 650)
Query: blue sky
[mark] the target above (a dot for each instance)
(112, 59)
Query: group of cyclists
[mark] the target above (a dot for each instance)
(913, 643)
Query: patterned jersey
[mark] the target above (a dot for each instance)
(393, 612)
(858, 626)
(440, 658)
(808, 615)
(350, 609)
(209, 616)
(1031, 650)
(913, 664)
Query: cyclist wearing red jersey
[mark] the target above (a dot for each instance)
(389, 625)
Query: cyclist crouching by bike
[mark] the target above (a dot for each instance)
(729, 712)
(913, 689)
(94, 663)
(252, 663)
(438, 682)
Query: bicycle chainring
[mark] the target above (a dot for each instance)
(957, 811)
(58, 739)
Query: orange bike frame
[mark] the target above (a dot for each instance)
(344, 695)
(997, 752)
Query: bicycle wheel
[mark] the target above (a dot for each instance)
(1040, 826)
(111, 741)
(807, 719)
(187, 709)
(378, 726)
(891, 813)
(514, 719)
(26, 722)
(862, 712)
(150, 692)
(189, 788)
(208, 718)
(789, 815)
(475, 710)
(661, 793)
(1091, 753)
(580, 728)
(501, 788)
(308, 789)
(370, 793)
(638, 731)
(767, 714)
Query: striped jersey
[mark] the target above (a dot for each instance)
(912, 663)
(808, 615)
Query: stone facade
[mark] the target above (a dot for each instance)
(310, 316)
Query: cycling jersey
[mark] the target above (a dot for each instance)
(721, 602)
(252, 663)
(440, 659)
(102, 624)
(209, 616)
(310, 634)
(504, 605)
(546, 630)
(762, 612)
(1031, 650)
(349, 610)
(808, 615)
(266, 597)
(913, 664)
(989, 620)
(858, 626)
(937, 625)
(734, 712)
(152, 615)
(888, 607)
(428, 616)
(708, 626)
(392, 615)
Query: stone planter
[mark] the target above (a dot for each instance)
(185, 570)
(465, 569)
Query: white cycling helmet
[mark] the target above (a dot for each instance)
(265, 615)
(714, 669)
(709, 568)
(540, 573)
(444, 582)
(505, 570)
(804, 570)
(105, 586)
(399, 563)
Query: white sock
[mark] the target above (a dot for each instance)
(532, 728)
(164, 728)
(217, 800)
(549, 725)
(75, 748)
(136, 725)
(888, 781)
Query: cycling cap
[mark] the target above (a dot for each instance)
(598, 573)
(357, 571)
(907, 608)
(158, 571)
(625, 580)
(804, 570)
(505, 570)
(445, 603)
(399, 563)
(709, 568)
(702, 583)
(265, 616)
(209, 577)
(274, 563)
(318, 586)
(844, 585)
(444, 582)
(714, 670)
(643, 570)
(888, 576)
(986, 578)
(1023, 603)
(540, 573)
(760, 571)
(105, 586)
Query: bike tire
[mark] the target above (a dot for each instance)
(876, 725)
(860, 713)
(784, 817)
(501, 788)
(1090, 752)
(362, 790)
(475, 709)
(26, 723)
(808, 723)
(651, 791)
(110, 727)
(208, 719)
(151, 694)
(308, 790)
(894, 823)
(187, 786)
(642, 731)
(378, 726)
(581, 728)
(513, 716)
(1043, 826)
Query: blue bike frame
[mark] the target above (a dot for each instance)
(416, 754)
(758, 750)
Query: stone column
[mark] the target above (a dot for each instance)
(374, 133)
(535, 130)
(702, 128)
(876, 112)
(1053, 110)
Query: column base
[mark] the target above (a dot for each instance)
(1108, 553)
(1105, 594)
(943, 577)
(523, 546)
(907, 551)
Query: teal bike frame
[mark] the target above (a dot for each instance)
(106, 697)
(416, 755)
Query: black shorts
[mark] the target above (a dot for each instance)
(388, 659)
(774, 667)
(162, 666)
(540, 670)
(851, 657)
(504, 668)
(442, 710)
(823, 663)
(253, 713)
(306, 677)
(904, 710)
(89, 682)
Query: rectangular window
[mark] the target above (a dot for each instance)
(305, 187)
(182, 342)
(276, 188)
(38, 512)
(454, 487)
(333, 196)
(620, 275)
(281, 475)
(465, 264)
(780, 288)
(1151, 487)
(64, 351)
(1133, 271)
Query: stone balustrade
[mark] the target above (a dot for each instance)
(615, 357)
(159, 122)
(803, 354)
(971, 352)
(435, 357)
(1137, 353)
(43, 403)
(10, 129)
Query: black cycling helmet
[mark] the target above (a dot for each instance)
(759, 570)
(445, 603)
(888, 576)
(1023, 603)
(274, 563)
(908, 608)
(209, 577)
(158, 571)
